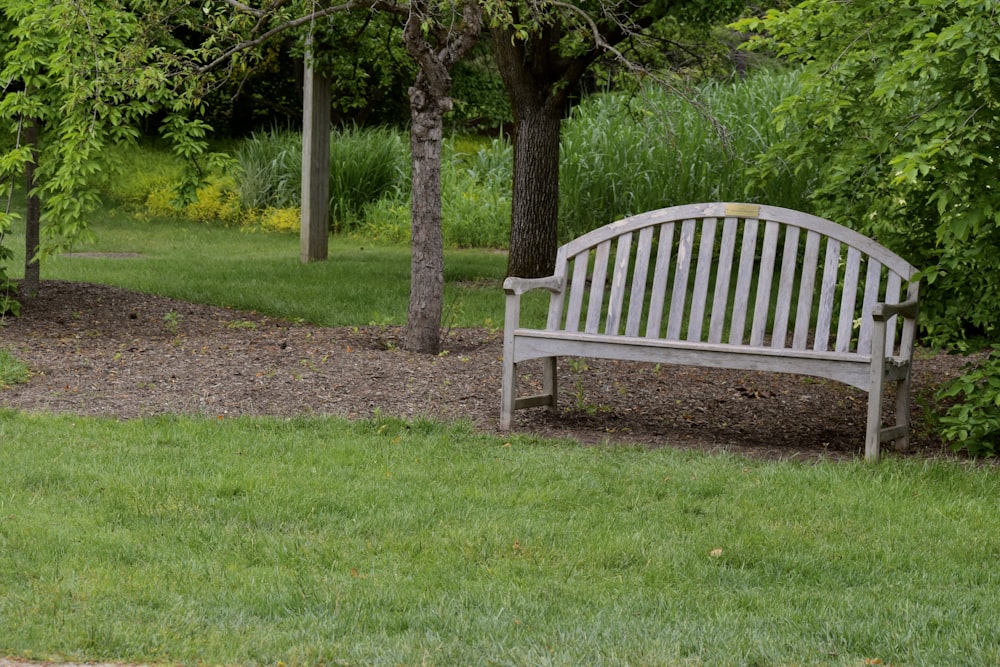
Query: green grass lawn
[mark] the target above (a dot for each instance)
(320, 541)
(361, 283)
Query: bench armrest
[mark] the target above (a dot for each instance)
(883, 311)
(518, 286)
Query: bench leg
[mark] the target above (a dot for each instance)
(508, 394)
(874, 427)
(550, 382)
(903, 413)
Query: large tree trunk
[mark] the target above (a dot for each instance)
(535, 196)
(423, 322)
(537, 81)
(32, 218)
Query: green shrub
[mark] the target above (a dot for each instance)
(475, 193)
(475, 198)
(141, 170)
(973, 424)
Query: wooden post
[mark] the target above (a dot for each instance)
(314, 232)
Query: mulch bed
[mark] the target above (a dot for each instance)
(99, 350)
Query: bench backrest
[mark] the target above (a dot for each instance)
(736, 274)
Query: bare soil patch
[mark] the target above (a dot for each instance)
(99, 350)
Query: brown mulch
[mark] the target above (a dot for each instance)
(99, 350)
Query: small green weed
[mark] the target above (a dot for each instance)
(12, 370)
(172, 321)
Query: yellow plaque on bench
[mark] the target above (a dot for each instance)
(743, 210)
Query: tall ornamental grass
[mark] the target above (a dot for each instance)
(365, 166)
(475, 198)
(625, 153)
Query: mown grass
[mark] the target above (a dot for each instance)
(320, 541)
(361, 283)
(12, 371)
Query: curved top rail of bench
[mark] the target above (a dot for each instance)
(787, 216)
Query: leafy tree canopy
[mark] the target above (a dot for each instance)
(899, 117)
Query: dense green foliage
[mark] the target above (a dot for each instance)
(899, 115)
(87, 75)
(321, 541)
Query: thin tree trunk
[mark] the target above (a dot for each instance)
(423, 322)
(436, 47)
(32, 217)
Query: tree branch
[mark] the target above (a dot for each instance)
(290, 24)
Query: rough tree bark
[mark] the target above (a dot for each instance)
(538, 80)
(436, 48)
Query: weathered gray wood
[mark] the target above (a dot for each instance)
(660, 276)
(637, 300)
(681, 273)
(892, 286)
(786, 286)
(827, 294)
(577, 289)
(741, 298)
(314, 230)
(722, 277)
(618, 280)
(848, 296)
(807, 281)
(765, 274)
(699, 298)
(882, 354)
(597, 280)
(873, 277)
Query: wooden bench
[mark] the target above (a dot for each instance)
(726, 285)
